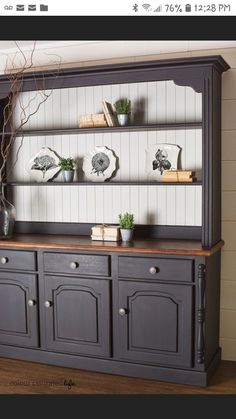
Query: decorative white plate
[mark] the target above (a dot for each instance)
(99, 164)
(43, 166)
(161, 157)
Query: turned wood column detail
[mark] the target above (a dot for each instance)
(201, 313)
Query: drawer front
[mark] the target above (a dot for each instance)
(97, 265)
(156, 268)
(17, 259)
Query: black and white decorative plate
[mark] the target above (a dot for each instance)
(43, 166)
(99, 164)
(161, 157)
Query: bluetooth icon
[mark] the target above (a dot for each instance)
(135, 7)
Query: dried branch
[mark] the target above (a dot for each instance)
(14, 101)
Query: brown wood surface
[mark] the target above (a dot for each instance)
(23, 377)
(172, 247)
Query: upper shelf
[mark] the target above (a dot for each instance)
(128, 128)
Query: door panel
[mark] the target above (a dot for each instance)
(156, 323)
(78, 315)
(18, 319)
(146, 308)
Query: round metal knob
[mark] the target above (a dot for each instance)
(31, 303)
(47, 304)
(153, 270)
(4, 260)
(122, 311)
(74, 265)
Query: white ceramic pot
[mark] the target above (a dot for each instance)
(126, 234)
(123, 119)
(68, 175)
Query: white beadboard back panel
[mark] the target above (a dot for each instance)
(152, 102)
(173, 205)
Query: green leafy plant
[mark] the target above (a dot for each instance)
(122, 106)
(66, 163)
(126, 221)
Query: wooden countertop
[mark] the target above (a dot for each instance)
(65, 242)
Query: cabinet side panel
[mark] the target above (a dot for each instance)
(212, 306)
(216, 159)
(212, 159)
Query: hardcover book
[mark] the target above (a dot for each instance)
(109, 114)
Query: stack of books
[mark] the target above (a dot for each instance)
(106, 232)
(93, 121)
(178, 176)
(109, 114)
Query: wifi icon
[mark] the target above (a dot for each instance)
(146, 7)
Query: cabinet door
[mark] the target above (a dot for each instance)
(155, 323)
(77, 314)
(18, 309)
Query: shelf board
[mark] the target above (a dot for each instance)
(197, 183)
(128, 128)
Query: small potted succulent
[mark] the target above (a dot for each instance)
(126, 222)
(122, 108)
(67, 168)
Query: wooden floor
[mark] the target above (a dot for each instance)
(20, 377)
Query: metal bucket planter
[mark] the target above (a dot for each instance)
(123, 119)
(68, 175)
(126, 234)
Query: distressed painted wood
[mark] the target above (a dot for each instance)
(18, 309)
(201, 313)
(78, 317)
(174, 247)
(143, 336)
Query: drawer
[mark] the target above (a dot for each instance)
(97, 265)
(156, 268)
(18, 260)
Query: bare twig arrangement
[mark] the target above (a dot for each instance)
(14, 101)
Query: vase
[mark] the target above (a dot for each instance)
(7, 216)
(123, 119)
(68, 175)
(126, 234)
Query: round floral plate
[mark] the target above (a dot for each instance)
(99, 164)
(43, 166)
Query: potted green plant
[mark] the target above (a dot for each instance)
(67, 168)
(126, 222)
(122, 107)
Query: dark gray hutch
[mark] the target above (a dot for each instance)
(148, 309)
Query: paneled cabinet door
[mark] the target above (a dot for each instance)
(77, 315)
(18, 309)
(155, 323)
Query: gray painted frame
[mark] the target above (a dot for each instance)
(201, 73)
